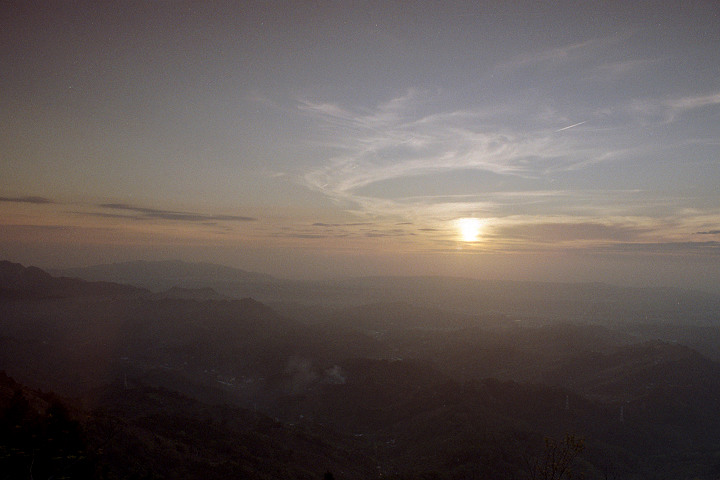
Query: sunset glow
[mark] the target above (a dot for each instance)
(313, 141)
(469, 229)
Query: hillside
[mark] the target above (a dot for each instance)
(536, 302)
(32, 282)
(184, 382)
(163, 275)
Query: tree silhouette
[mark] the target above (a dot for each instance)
(37, 444)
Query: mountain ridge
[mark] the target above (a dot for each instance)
(163, 274)
(17, 280)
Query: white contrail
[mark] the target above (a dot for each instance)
(571, 126)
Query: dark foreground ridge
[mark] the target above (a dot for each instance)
(192, 384)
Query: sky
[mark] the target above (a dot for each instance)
(559, 141)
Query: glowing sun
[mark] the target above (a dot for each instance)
(469, 229)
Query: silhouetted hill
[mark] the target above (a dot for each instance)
(538, 302)
(163, 275)
(146, 431)
(136, 431)
(17, 281)
(394, 388)
(205, 293)
(629, 372)
(72, 344)
(40, 436)
(509, 350)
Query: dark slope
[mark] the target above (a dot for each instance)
(157, 432)
(215, 348)
(136, 431)
(529, 301)
(17, 281)
(414, 402)
(204, 293)
(162, 275)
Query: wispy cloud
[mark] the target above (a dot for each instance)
(356, 224)
(656, 111)
(407, 137)
(564, 53)
(30, 199)
(701, 248)
(572, 232)
(372, 151)
(142, 213)
(571, 126)
(691, 102)
(541, 149)
(621, 68)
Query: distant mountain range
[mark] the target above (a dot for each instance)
(407, 387)
(16, 280)
(529, 301)
(203, 293)
(162, 275)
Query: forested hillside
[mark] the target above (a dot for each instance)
(188, 385)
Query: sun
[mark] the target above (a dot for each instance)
(469, 229)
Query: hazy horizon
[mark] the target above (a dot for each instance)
(571, 142)
(511, 278)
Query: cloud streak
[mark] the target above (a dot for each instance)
(28, 199)
(700, 248)
(572, 232)
(428, 157)
(374, 153)
(142, 213)
(388, 143)
(570, 126)
(408, 137)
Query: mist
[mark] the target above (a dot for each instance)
(354, 240)
(359, 376)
